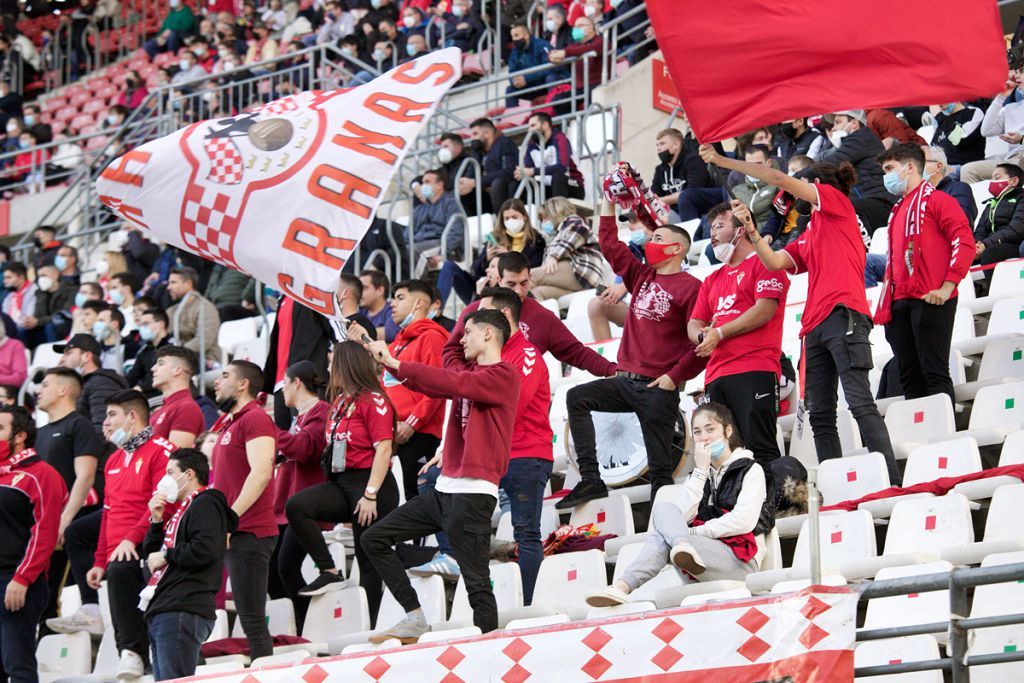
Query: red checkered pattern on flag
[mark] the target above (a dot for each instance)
(207, 228)
(226, 164)
(281, 106)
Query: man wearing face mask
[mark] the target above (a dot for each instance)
(420, 417)
(108, 332)
(185, 551)
(499, 157)
(131, 475)
(154, 335)
(415, 45)
(586, 41)
(460, 28)
(799, 139)
(1000, 230)
(51, 319)
(44, 239)
(550, 162)
(83, 354)
(655, 357)
(930, 251)
(244, 458)
(189, 70)
(430, 218)
(852, 140)
(678, 168)
(20, 302)
(527, 52)
(737, 324)
(66, 262)
(380, 57)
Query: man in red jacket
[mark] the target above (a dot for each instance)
(131, 476)
(421, 340)
(32, 495)
(485, 391)
(530, 460)
(931, 247)
(655, 357)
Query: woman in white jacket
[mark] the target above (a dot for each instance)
(715, 530)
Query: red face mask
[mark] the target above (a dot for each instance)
(655, 252)
(996, 187)
(5, 450)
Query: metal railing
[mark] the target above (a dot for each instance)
(957, 582)
(620, 40)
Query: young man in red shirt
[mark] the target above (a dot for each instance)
(531, 459)
(32, 494)
(243, 467)
(179, 419)
(485, 391)
(655, 357)
(131, 476)
(737, 325)
(931, 247)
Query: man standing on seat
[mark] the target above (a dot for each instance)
(655, 357)
(931, 247)
(479, 435)
(32, 494)
(737, 325)
(243, 466)
(179, 419)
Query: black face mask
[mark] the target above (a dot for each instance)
(38, 242)
(789, 130)
(803, 207)
(227, 404)
(477, 145)
(665, 156)
(519, 44)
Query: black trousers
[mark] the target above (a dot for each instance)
(248, 563)
(18, 633)
(657, 410)
(80, 540)
(996, 253)
(336, 502)
(413, 454)
(466, 518)
(125, 580)
(920, 335)
(285, 578)
(838, 350)
(753, 398)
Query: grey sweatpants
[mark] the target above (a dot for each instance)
(668, 528)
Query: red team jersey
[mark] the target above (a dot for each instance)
(369, 422)
(724, 296)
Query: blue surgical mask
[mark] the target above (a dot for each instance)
(577, 35)
(616, 3)
(894, 184)
(116, 297)
(638, 237)
(99, 330)
(61, 262)
(457, 11)
(716, 448)
(30, 120)
(146, 333)
(80, 300)
(947, 110)
(548, 227)
(406, 321)
(427, 191)
(433, 314)
(375, 4)
(411, 50)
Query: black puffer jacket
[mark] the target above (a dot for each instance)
(1002, 219)
(861, 148)
(97, 387)
(717, 501)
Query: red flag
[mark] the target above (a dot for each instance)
(741, 65)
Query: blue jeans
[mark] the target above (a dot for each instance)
(452, 276)
(18, 632)
(694, 202)
(176, 638)
(524, 483)
(874, 269)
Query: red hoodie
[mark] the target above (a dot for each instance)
(654, 339)
(421, 342)
(301, 446)
(32, 497)
(531, 436)
(479, 435)
(131, 479)
(546, 332)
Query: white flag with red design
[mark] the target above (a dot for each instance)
(284, 192)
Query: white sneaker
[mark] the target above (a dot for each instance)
(84, 620)
(686, 557)
(130, 667)
(607, 597)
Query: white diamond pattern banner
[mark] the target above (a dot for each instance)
(284, 192)
(806, 636)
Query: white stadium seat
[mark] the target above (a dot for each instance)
(950, 458)
(852, 477)
(64, 656)
(507, 584)
(1003, 531)
(336, 613)
(916, 421)
(995, 600)
(281, 619)
(611, 515)
(911, 609)
(998, 410)
(898, 651)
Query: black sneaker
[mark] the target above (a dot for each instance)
(325, 583)
(584, 492)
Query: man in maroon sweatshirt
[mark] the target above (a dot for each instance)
(655, 357)
(484, 391)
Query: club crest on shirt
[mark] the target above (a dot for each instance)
(525, 329)
(225, 439)
(739, 277)
(651, 302)
(17, 478)
(160, 418)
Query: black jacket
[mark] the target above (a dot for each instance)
(312, 337)
(59, 301)
(715, 503)
(196, 562)
(963, 195)
(969, 148)
(140, 254)
(689, 170)
(861, 148)
(141, 373)
(791, 147)
(1002, 219)
(97, 387)
(500, 162)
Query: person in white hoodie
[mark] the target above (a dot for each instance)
(715, 530)
(1004, 119)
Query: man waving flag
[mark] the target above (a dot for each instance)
(284, 192)
(740, 65)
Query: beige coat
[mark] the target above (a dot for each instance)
(187, 330)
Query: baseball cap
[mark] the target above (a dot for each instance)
(85, 342)
(854, 114)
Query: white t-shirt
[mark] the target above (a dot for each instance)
(465, 485)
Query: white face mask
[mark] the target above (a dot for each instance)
(514, 226)
(168, 486)
(723, 252)
(44, 283)
(590, 11)
(837, 137)
(102, 267)
(409, 22)
(444, 155)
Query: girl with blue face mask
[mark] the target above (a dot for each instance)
(711, 527)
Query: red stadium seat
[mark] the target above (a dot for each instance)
(93, 106)
(96, 143)
(81, 121)
(52, 104)
(73, 90)
(108, 93)
(66, 113)
(87, 130)
(80, 99)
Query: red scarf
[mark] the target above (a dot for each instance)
(743, 546)
(917, 206)
(171, 530)
(8, 465)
